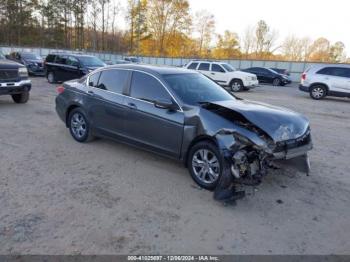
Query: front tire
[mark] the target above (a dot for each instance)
(21, 98)
(205, 164)
(276, 82)
(79, 126)
(236, 85)
(318, 92)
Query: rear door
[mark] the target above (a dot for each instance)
(106, 107)
(204, 68)
(154, 128)
(58, 67)
(71, 68)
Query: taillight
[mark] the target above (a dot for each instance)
(303, 76)
(60, 89)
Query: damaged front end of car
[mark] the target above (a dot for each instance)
(252, 154)
(261, 137)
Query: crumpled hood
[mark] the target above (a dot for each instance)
(279, 123)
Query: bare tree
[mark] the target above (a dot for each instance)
(248, 40)
(204, 24)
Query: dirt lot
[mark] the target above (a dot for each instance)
(61, 197)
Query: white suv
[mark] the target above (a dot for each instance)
(225, 75)
(326, 80)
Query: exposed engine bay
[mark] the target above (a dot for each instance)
(252, 151)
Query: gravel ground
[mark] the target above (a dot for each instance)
(61, 197)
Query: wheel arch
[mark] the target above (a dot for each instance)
(196, 140)
(320, 84)
(69, 109)
(238, 79)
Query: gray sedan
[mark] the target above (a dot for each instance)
(186, 116)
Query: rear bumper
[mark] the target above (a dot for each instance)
(61, 108)
(303, 88)
(9, 88)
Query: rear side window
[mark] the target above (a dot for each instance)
(113, 80)
(193, 66)
(204, 67)
(146, 87)
(217, 68)
(93, 79)
(335, 71)
(325, 71)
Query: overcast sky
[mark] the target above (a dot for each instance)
(303, 18)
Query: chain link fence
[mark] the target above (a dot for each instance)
(295, 68)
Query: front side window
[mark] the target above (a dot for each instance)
(194, 89)
(72, 61)
(228, 67)
(61, 59)
(113, 80)
(193, 66)
(204, 67)
(93, 79)
(217, 68)
(91, 61)
(146, 87)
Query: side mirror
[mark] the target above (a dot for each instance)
(165, 104)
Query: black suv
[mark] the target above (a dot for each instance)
(63, 67)
(14, 80)
(33, 62)
(267, 75)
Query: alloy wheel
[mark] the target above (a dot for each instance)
(317, 92)
(78, 125)
(236, 86)
(205, 166)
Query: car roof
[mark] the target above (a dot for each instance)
(151, 69)
(329, 65)
(72, 54)
(207, 61)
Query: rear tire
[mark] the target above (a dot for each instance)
(205, 171)
(236, 85)
(79, 126)
(21, 98)
(51, 77)
(318, 92)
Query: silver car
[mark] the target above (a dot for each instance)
(326, 80)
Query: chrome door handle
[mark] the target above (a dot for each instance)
(90, 92)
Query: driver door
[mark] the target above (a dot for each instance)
(218, 74)
(158, 129)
